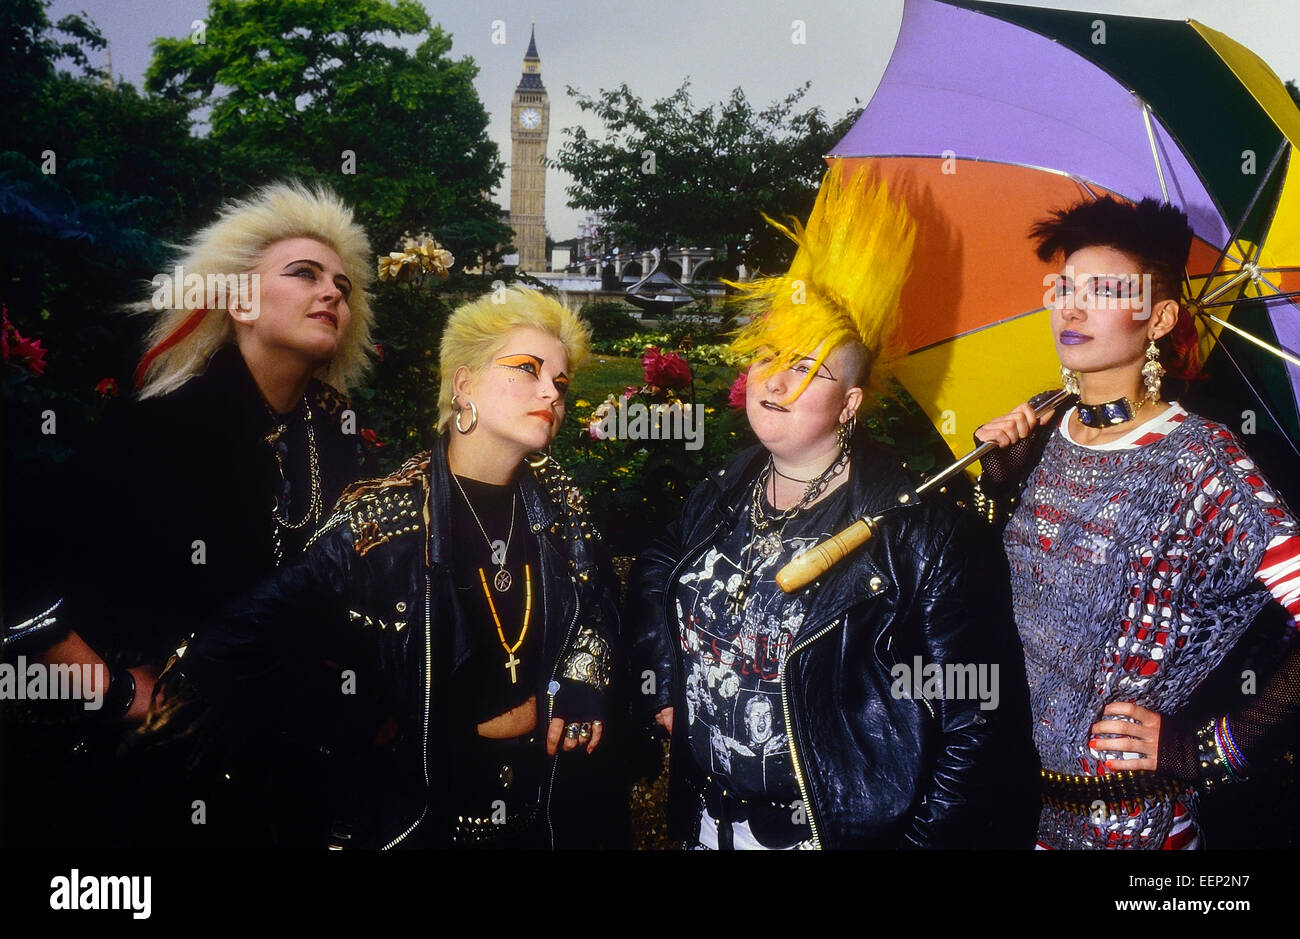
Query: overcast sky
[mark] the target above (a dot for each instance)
(653, 46)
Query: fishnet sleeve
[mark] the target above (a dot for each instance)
(1005, 470)
(1272, 715)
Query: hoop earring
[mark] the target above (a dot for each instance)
(1152, 371)
(844, 433)
(473, 411)
(1070, 381)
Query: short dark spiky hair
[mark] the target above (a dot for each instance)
(1154, 233)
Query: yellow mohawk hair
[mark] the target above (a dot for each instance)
(843, 285)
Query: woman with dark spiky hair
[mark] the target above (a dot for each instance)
(1144, 543)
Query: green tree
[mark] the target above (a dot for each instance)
(668, 173)
(365, 96)
(318, 89)
(83, 226)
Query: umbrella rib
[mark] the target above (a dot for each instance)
(1250, 207)
(1270, 298)
(975, 159)
(1155, 154)
(1263, 403)
(1250, 337)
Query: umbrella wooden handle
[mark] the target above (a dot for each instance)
(820, 558)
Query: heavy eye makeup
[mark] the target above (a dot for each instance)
(533, 366)
(804, 366)
(312, 268)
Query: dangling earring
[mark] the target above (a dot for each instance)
(473, 413)
(844, 433)
(1070, 381)
(1152, 371)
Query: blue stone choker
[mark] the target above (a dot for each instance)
(1109, 413)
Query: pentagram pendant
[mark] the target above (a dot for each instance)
(769, 545)
(502, 580)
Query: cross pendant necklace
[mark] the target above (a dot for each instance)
(512, 662)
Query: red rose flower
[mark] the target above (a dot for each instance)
(665, 371)
(29, 352)
(370, 437)
(736, 397)
(107, 387)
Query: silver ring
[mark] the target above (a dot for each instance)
(571, 731)
(584, 731)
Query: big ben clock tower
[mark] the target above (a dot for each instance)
(530, 118)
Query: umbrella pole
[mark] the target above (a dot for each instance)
(821, 557)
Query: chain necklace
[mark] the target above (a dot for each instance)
(281, 523)
(769, 531)
(502, 580)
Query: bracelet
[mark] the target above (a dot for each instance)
(985, 506)
(1237, 762)
(1214, 766)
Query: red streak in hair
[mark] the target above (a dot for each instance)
(179, 333)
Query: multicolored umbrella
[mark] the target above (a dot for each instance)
(990, 115)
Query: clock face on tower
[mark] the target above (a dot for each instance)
(529, 118)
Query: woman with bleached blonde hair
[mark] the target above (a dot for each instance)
(240, 444)
(467, 595)
(213, 297)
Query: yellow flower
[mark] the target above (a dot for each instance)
(420, 255)
(581, 403)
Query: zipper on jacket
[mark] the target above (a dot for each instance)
(790, 728)
(550, 703)
(428, 696)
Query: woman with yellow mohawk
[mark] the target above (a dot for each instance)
(831, 716)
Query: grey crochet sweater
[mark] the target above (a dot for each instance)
(1134, 573)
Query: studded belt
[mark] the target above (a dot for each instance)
(1080, 794)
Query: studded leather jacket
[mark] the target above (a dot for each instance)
(876, 766)
(374, 594)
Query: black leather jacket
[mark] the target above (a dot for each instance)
(374, 594)
(875, 769)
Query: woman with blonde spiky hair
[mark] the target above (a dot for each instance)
(242, 439)
(214, 297)
(466, 595)
(805, 726)
(240, 443)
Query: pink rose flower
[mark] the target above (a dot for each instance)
(665, 371)
(736, 397)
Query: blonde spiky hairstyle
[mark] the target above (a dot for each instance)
(843, 285)
(182, 340)
(476, 331)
